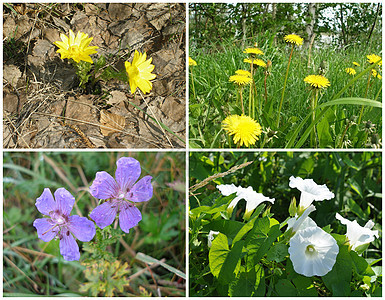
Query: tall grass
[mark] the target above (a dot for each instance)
(216, 96)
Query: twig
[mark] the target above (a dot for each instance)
(137, 274)
(218, 175)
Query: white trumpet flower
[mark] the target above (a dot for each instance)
(357, 234)
(313, 252)
(310, 191)
(253, 199)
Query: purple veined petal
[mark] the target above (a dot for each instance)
(82, 228)
(68, 246)
(64, 201)
(45, 203)
(127, 172)
(104, 214)
(129, 217)
(45, 229)
(104, 186)
(141, 191)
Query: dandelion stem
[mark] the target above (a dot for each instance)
(251, 87)
(240, 95)
(366, 94)
(192, 83)
(284, 86)
(313, 137)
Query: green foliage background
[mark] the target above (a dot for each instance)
(33, 267)
(354, 178)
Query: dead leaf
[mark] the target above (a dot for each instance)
(116, 97)
(113, 121)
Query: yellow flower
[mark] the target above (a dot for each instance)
(76, 47)
(373, 58)
(191, 62)
(356, 64)
(241, 80)
(243, 73)
(350, 71)
(317, 81)
(139, 72)
(293, 39)
(258, 62)
(375, 74)
(245, 129)
(255, 51)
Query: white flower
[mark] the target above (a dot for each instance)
(357, 234)
(310, 191)
(253, 199)
(303, 221)
(211, 237)
(313, 252)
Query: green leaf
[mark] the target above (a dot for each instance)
(225, 263)
(305, 286)
(277, 253)
(285, 288)
(324, 136)
(249, 284)
(228, 227)
(360, 265)
(338, 279)
(356, 187)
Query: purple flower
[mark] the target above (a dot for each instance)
(61, 224)
(122, 194)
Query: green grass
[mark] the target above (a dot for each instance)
(216, 96)
(33, 267)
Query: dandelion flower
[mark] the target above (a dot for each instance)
(211, 236)
(293, 39)
(351, 71)
(373, 59)
(139, 73)
(375, 74)
(240, 79)
(245, 129)
(310, 191)
(313, 252)
(317, 81)
(60, 224)
(356, 64)
(253, 51)
(77, 47)
(253, 199)
(258, 62)
(121, 194)
(243, 73)
(357, 234)
(191, 62)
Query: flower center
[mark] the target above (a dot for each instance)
(57, 218)
(310, 250)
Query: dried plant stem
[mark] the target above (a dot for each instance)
(218, 175)
(164, 132)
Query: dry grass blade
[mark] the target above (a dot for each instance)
(34, 285)
(218, 175)
(161, 127)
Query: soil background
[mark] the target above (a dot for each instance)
(43, 106)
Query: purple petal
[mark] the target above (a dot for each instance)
(129, 217)
(64, 201)
(141, 191)
(127, 172)
(45, 203)
(68, 246)
(104, 186)
(104, 214)
(44, 229)
(82, 228)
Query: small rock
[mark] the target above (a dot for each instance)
(11, 74)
